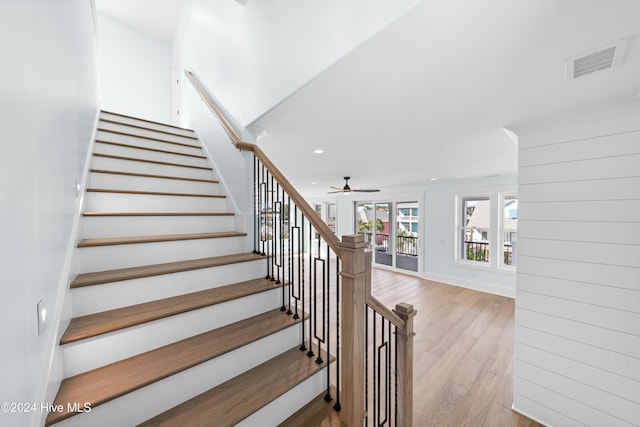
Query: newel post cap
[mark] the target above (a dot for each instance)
(353, 241)
(404, 310)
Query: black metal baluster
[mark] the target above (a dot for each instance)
(303, 346)
(395, 400)
(375, 384)
(274, 258)
(337, 405)
(312, 294)
(320, 318)
(366, 363)
(294, 259)
(277, 238)
(327, 300)
(256, 212)
(387, 411)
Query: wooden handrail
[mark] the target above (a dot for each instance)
(385, 312)
(207, 100)
(321, 227)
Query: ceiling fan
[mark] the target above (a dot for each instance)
(347, 190)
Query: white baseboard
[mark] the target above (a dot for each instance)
(531, 417)
(470, 284)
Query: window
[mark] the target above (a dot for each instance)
(331, 216)
(487, 229)
(509, 232)
(475, 229)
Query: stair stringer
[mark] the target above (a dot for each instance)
(53, 371)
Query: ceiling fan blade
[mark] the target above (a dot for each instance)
(333, 192)
(335, 188)
(360, 190)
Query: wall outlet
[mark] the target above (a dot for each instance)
(41, 308)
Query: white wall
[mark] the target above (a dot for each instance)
(135, 71)
(48, 105)
(577, 351)
(253, 56)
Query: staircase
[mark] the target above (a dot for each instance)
(173, 322)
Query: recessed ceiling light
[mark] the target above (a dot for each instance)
(313, 183)
(434, 179)
(318, 151)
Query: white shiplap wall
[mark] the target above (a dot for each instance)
(577, 350)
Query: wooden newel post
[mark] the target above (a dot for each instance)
(354, 279)
(405, 364)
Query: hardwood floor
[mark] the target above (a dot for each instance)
(463, 372)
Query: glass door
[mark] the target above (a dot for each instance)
(407, 235)
(392, 232)
(383, 244)
(363, 221)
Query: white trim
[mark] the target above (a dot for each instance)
(523, 413)
(470, 284)
(52, 371)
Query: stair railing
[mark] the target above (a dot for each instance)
(326, 283)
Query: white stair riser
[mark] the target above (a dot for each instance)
(105, 163)
(110, 257)
(145, 403)
(119, 202)
(108, 296)
(138, 153)
(139, 183)
(94, 227)
(90, 353)
(137, 135)
(145, 124)
(288, 404)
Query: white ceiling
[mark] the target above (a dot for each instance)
(429, 96)
(156, 17)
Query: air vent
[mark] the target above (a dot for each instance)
(596, 60)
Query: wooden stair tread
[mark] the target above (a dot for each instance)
(156, 162)
(155, 150)
(99, 277)
(317, 413)
(153, 193)
(147, 175)
(104, 322)
(142, 120)
(152, 129)
(124, 214)
(109, 241)
(150, 138)
(236, 399)
(109, 382)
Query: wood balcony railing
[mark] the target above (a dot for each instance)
(327, 282)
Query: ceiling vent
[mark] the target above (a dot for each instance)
(598, 59)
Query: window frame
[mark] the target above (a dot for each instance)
(505, 195)
(461, 226)
(495, 236)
